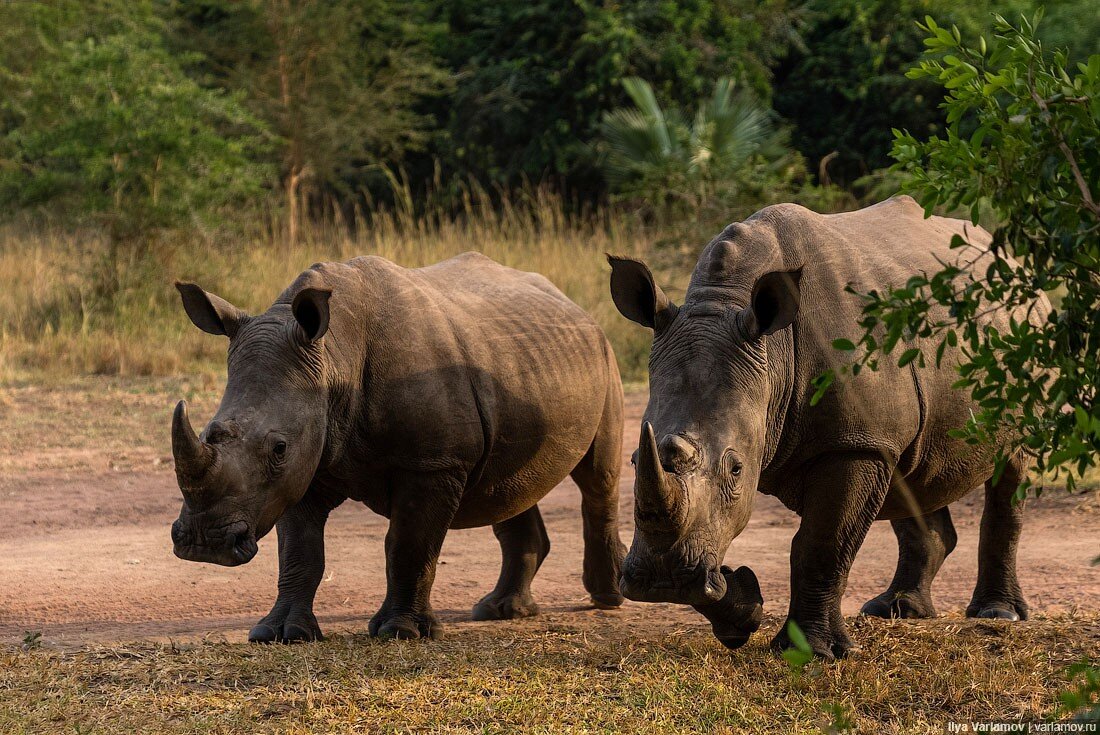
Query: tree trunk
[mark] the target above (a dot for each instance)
(293, 184)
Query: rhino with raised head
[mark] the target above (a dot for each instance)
(450, 396)
(729, 414)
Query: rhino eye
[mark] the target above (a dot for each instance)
(279, 449)
(734, 465)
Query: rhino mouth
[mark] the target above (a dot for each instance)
(646, 578)
(229, 545)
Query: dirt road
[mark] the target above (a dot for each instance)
(87, 496)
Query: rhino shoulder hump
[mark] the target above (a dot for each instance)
(785, 212)
(473, 255)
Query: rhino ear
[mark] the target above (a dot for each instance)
(310, 309)
(775, 301)
(209, 312)
(637, 296)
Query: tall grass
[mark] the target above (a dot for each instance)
(58, 318)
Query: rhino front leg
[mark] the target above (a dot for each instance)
(923, 544)
(421, 512)
(998, 594)
(301, 531)
(843, 494)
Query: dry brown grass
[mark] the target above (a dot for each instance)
(551, 677)
(55, 319)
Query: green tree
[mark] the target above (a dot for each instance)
(844, 87)
(338, 81)
(1023, 133)
(101, 122)
(657, 155)
(1071, 24)
(534, 77)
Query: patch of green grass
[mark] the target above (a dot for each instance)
(909, 677)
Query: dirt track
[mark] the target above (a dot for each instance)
(85, 552)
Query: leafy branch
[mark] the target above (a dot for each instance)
(1021, 142)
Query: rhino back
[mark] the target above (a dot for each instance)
(469, 366)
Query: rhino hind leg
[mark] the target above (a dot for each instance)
(997, 594)
(597, 476)
(301, 531)
(523, 545)
(923, 544)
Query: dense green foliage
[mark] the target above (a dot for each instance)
(336, 82)
(664, 158)
(102, 120)
(846, 87)
(533, 79)
(318, 103)
(1022, 135)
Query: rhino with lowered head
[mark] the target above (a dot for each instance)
(450, 396)
(729, 414)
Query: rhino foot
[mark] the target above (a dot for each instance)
(405, 626)
(890, 604)
(739, 613)
(997, 613)
(825, 644)
(998, 610)
(1003, 604)
(496, 606)
(291, 627)
(607, 600)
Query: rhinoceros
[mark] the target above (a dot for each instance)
(730, 414)
(450, 396)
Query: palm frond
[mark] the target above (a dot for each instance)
(646, 143)
(735, 126)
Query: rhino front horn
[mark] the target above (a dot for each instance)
(654, 493)
(192, 456)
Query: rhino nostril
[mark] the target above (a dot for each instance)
(238, 538)
(179, 536)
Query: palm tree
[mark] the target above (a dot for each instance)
(651, 152)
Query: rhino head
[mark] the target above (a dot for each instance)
(258, 455)
(702, 445)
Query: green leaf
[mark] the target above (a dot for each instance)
(800, 653)
(822, 383)
(908, 356)
(845, 345)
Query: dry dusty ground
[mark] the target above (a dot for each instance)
(87, 495)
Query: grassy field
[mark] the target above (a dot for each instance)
(65, 310)
(546, 676)
(550, 674)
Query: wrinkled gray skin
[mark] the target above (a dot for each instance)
(451, 396)
(729, 414)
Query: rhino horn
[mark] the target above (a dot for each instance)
(655, 491)
(193, 457)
